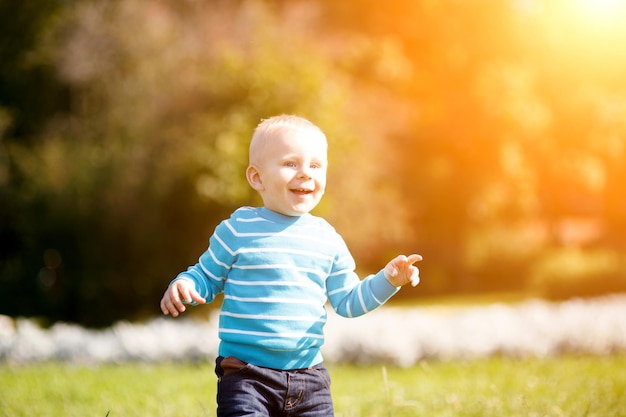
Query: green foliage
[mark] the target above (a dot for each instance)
(126, 191)
(24, 72)
(124, 129)
(590, 386)
(569, 272)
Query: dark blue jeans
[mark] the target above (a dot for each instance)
(247, 390)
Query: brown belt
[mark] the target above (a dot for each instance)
(230, 365)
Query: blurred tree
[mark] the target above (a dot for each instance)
(487, 135)
(24, 72)
(513, 120)
(126, 191)
(30, 96)
(447, 150)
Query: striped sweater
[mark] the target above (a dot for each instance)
(277, 273)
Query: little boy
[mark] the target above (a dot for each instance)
(277, 266)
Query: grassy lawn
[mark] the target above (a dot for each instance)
(567, 386)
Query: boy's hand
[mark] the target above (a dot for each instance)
(401, 271)
(180, 291)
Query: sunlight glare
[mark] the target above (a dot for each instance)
(601, 11)
(599, 26)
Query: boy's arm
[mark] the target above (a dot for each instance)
(351, 297)
(201, 282)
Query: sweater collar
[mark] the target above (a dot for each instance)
(281, 218)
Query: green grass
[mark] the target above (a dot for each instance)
(568, 386)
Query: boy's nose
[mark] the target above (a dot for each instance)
(304, 172)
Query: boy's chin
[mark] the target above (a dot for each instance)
(294, 210)
(298, 211)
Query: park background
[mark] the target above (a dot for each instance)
(487, 135)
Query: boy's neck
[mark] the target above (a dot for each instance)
(279, 217)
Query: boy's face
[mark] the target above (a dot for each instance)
(290, 171)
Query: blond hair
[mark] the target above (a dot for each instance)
(277, 125)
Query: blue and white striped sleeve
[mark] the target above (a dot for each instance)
(351, 297)
(210, 272)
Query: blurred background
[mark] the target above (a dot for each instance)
(487, 135)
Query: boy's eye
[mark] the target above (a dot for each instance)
(290, 164)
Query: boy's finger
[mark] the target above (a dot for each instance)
(195, 296)
(185, 296)
(415, 276)
(411, 259)
(191, 296)
(176, 304)
(169, 308)
(164, 308)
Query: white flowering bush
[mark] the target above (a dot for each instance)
(532, 328)
(401, 336)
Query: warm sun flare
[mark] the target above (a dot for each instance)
(591, 21)
(600, 6)
(601, 10)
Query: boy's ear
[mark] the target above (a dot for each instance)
(254, 178)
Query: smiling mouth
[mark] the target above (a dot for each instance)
(301, 191)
